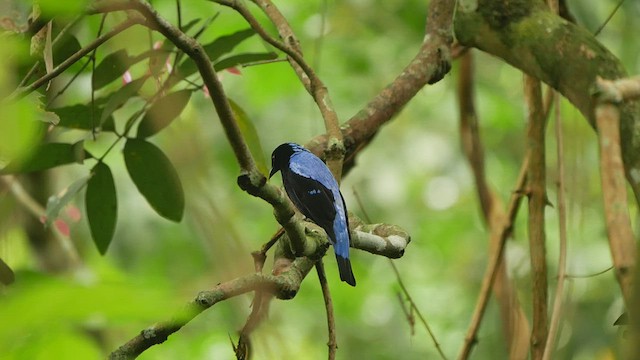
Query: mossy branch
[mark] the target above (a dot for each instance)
(529, 36)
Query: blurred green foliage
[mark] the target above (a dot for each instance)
(413, 175)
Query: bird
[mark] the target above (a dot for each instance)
(316, 194)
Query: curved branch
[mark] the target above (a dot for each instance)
(527, 35)
(429, 66)
(312, 83)
(284, 284)
(515, 325)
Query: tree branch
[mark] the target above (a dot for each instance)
(283, 286)
(537, 192)
(564, 55)
(429, 66)
(614, 192)
(288, 274)
(250, 179)
(499, 236)
(556, 315)
(24, 91)
(515, 325)
(315, 87)
(332, 344)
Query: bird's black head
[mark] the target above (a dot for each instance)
(280, 157)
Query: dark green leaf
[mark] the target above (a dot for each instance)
(163, 112)
(242, 59)
(56, 202)
(155, 178)
(226, 43)
(186, 27)
(6, 274)
(250, 136)
(215, 49)
(47, 156)
(82, 117)
(111, 68)
(120, 97)
(66, 47)
(102, 206)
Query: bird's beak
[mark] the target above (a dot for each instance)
(273, 172)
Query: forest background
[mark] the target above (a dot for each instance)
(70, 301)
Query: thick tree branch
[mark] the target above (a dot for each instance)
(530, 37)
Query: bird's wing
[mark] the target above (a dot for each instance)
(314, 200)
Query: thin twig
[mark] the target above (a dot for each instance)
(556, 315)
(316, 87)
(499, 234)
(69, 83)
(58, 37)
(37, 211)
(586, 276)
(536, 188)
(24, 91)
(287, 36)
(606, 21)
(282, 286)
(93, 79)
(415, 307)
(430, 65)
(259, 311)
(406, 293)
(328, 305)
(514, 322)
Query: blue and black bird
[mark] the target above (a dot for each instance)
(315, 192)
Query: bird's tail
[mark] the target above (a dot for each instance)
(344, 267)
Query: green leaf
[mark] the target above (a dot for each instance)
(66, 47)
(215, 49)
(250, 135)
(163, 112)
(102, 206)
(186, 27)
(83, 118)
(56, 202)
(242, 59)
(47, 156)
(111, 68)
(155, 178)
(226, 43)
(120, 97)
